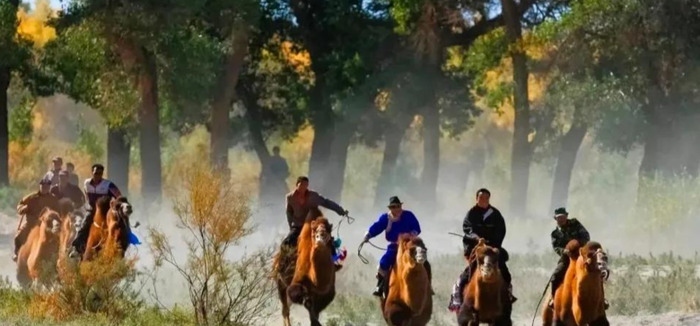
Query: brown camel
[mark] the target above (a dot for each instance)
(580, 300)
(36, 259)
(68, 233)
(485, 298)
(110, 227)
(312, 283)
(409, 301)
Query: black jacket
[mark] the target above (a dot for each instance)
(483, 223)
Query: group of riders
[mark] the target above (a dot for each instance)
(482, 222)
(58, 184)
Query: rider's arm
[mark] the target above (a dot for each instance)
(22, 206)
(470, 236)
(290, 213)
(415, 225)
(114, 191)
(500, 231)
(556, 244)
(378, 227)
(327, 203)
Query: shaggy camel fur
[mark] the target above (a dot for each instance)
(409, 301)
(580, 299)
(68, 233)
(485, 297)
(110, 227)
(36, 260)
(313, 281)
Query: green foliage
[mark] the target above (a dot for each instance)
(14, 50)
(89, 142)
(20, 122)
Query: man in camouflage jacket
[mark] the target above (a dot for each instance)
(567, 230)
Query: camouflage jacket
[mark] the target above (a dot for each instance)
(572, 230)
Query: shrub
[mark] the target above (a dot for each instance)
(214, 215)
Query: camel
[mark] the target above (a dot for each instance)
(485, 298)
(580, 299)
(313, 282)
(36, 259)
(68, 233)
(110, 227)
(409, 301)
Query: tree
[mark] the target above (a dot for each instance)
(82, 66)
(15, 51)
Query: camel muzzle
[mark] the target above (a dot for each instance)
(421, 255)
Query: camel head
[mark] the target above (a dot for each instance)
(321, 232)
(412, 250)
(121, 207)
(487, 260)
(50, 221)
(594, 260)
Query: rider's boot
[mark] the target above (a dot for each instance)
(510, 294)
(455, 298)
(379, 289)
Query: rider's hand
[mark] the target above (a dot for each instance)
(345, 213)
(565, 252)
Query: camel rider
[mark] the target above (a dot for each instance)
(299, 202)
(482, 221)
(95, 188)
(567, 230)
(393, 223)
(65, 189)
(29, 209)
(56, 166)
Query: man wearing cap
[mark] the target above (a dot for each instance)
(483, 221)
(566, 230)
(29, 209)
(393, 223)
(95, 188)
(64, 189)
(299, 202)
(52, 175)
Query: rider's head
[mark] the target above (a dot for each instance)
(70, 167)
(395, 205)
(483, 197)
(44, 186)
(57, 163)
(276, 151)
(561, 215)
(97, 171)
(302, 184)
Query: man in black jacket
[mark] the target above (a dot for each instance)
(482, 221)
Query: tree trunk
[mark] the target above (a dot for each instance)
(149, 129)
(118, 155)
(521, 152)
(223, 99)
(5, 75)
(431, 156)
(393, 135)
(570, 144)
(323, 123)
(335, 174)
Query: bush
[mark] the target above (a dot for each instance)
(214, 215)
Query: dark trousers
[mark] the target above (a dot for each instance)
(559, 273)
(84, 232)
(293, 237)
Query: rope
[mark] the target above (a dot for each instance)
(359, 251)
(350, 219)
(539, 303)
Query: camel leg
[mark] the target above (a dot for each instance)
(310, 305)
(282, 292)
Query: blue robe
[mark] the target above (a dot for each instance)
(407, 223)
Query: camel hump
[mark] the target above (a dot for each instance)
(593, 246)
(574, 246)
